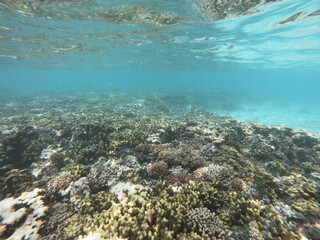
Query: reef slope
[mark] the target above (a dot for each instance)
(146, 166)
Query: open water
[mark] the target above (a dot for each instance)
(265, 59)
(160, 120)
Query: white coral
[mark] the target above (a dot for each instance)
(28, 205)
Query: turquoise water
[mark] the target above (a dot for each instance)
(266, 59)
(160, 120)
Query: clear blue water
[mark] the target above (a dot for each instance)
(266, 61)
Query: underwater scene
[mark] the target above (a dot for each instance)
(160, 120)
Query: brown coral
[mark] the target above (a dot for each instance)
(15, 182)
(157, 169)
(238, 184)
(179, 179)
(183, 155)
(56, 159)
(56, 221)
(201, 174)
(60, 182)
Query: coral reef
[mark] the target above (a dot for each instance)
(239, 184)
(158, 169)
(107, 173)
(57, 159)
(21, 146)
(21, 217)
(182, 155)
(159, 214)
(76, 170)
(202, 174)
(122, 190)
(16, 181)
(63, 186)
(90, 141)
(97, 236)
(55, 222)
(59, 184)
(266, 222)
(128, 170)
(204, 221)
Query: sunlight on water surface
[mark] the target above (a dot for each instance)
(173, 34)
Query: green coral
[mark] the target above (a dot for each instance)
(310, 167)
(278, 168)
(249, 172)
(306, 207)
(263, 218)
(162, 214)
(75, 170)
(129, 134)
(124, 137)
(231, 156)
(267, 184)
(297, 186)
(261, 151)
(159, 215)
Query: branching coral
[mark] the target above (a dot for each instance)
(159, 215)
(205, 221)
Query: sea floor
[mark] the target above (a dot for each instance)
(156, 166)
